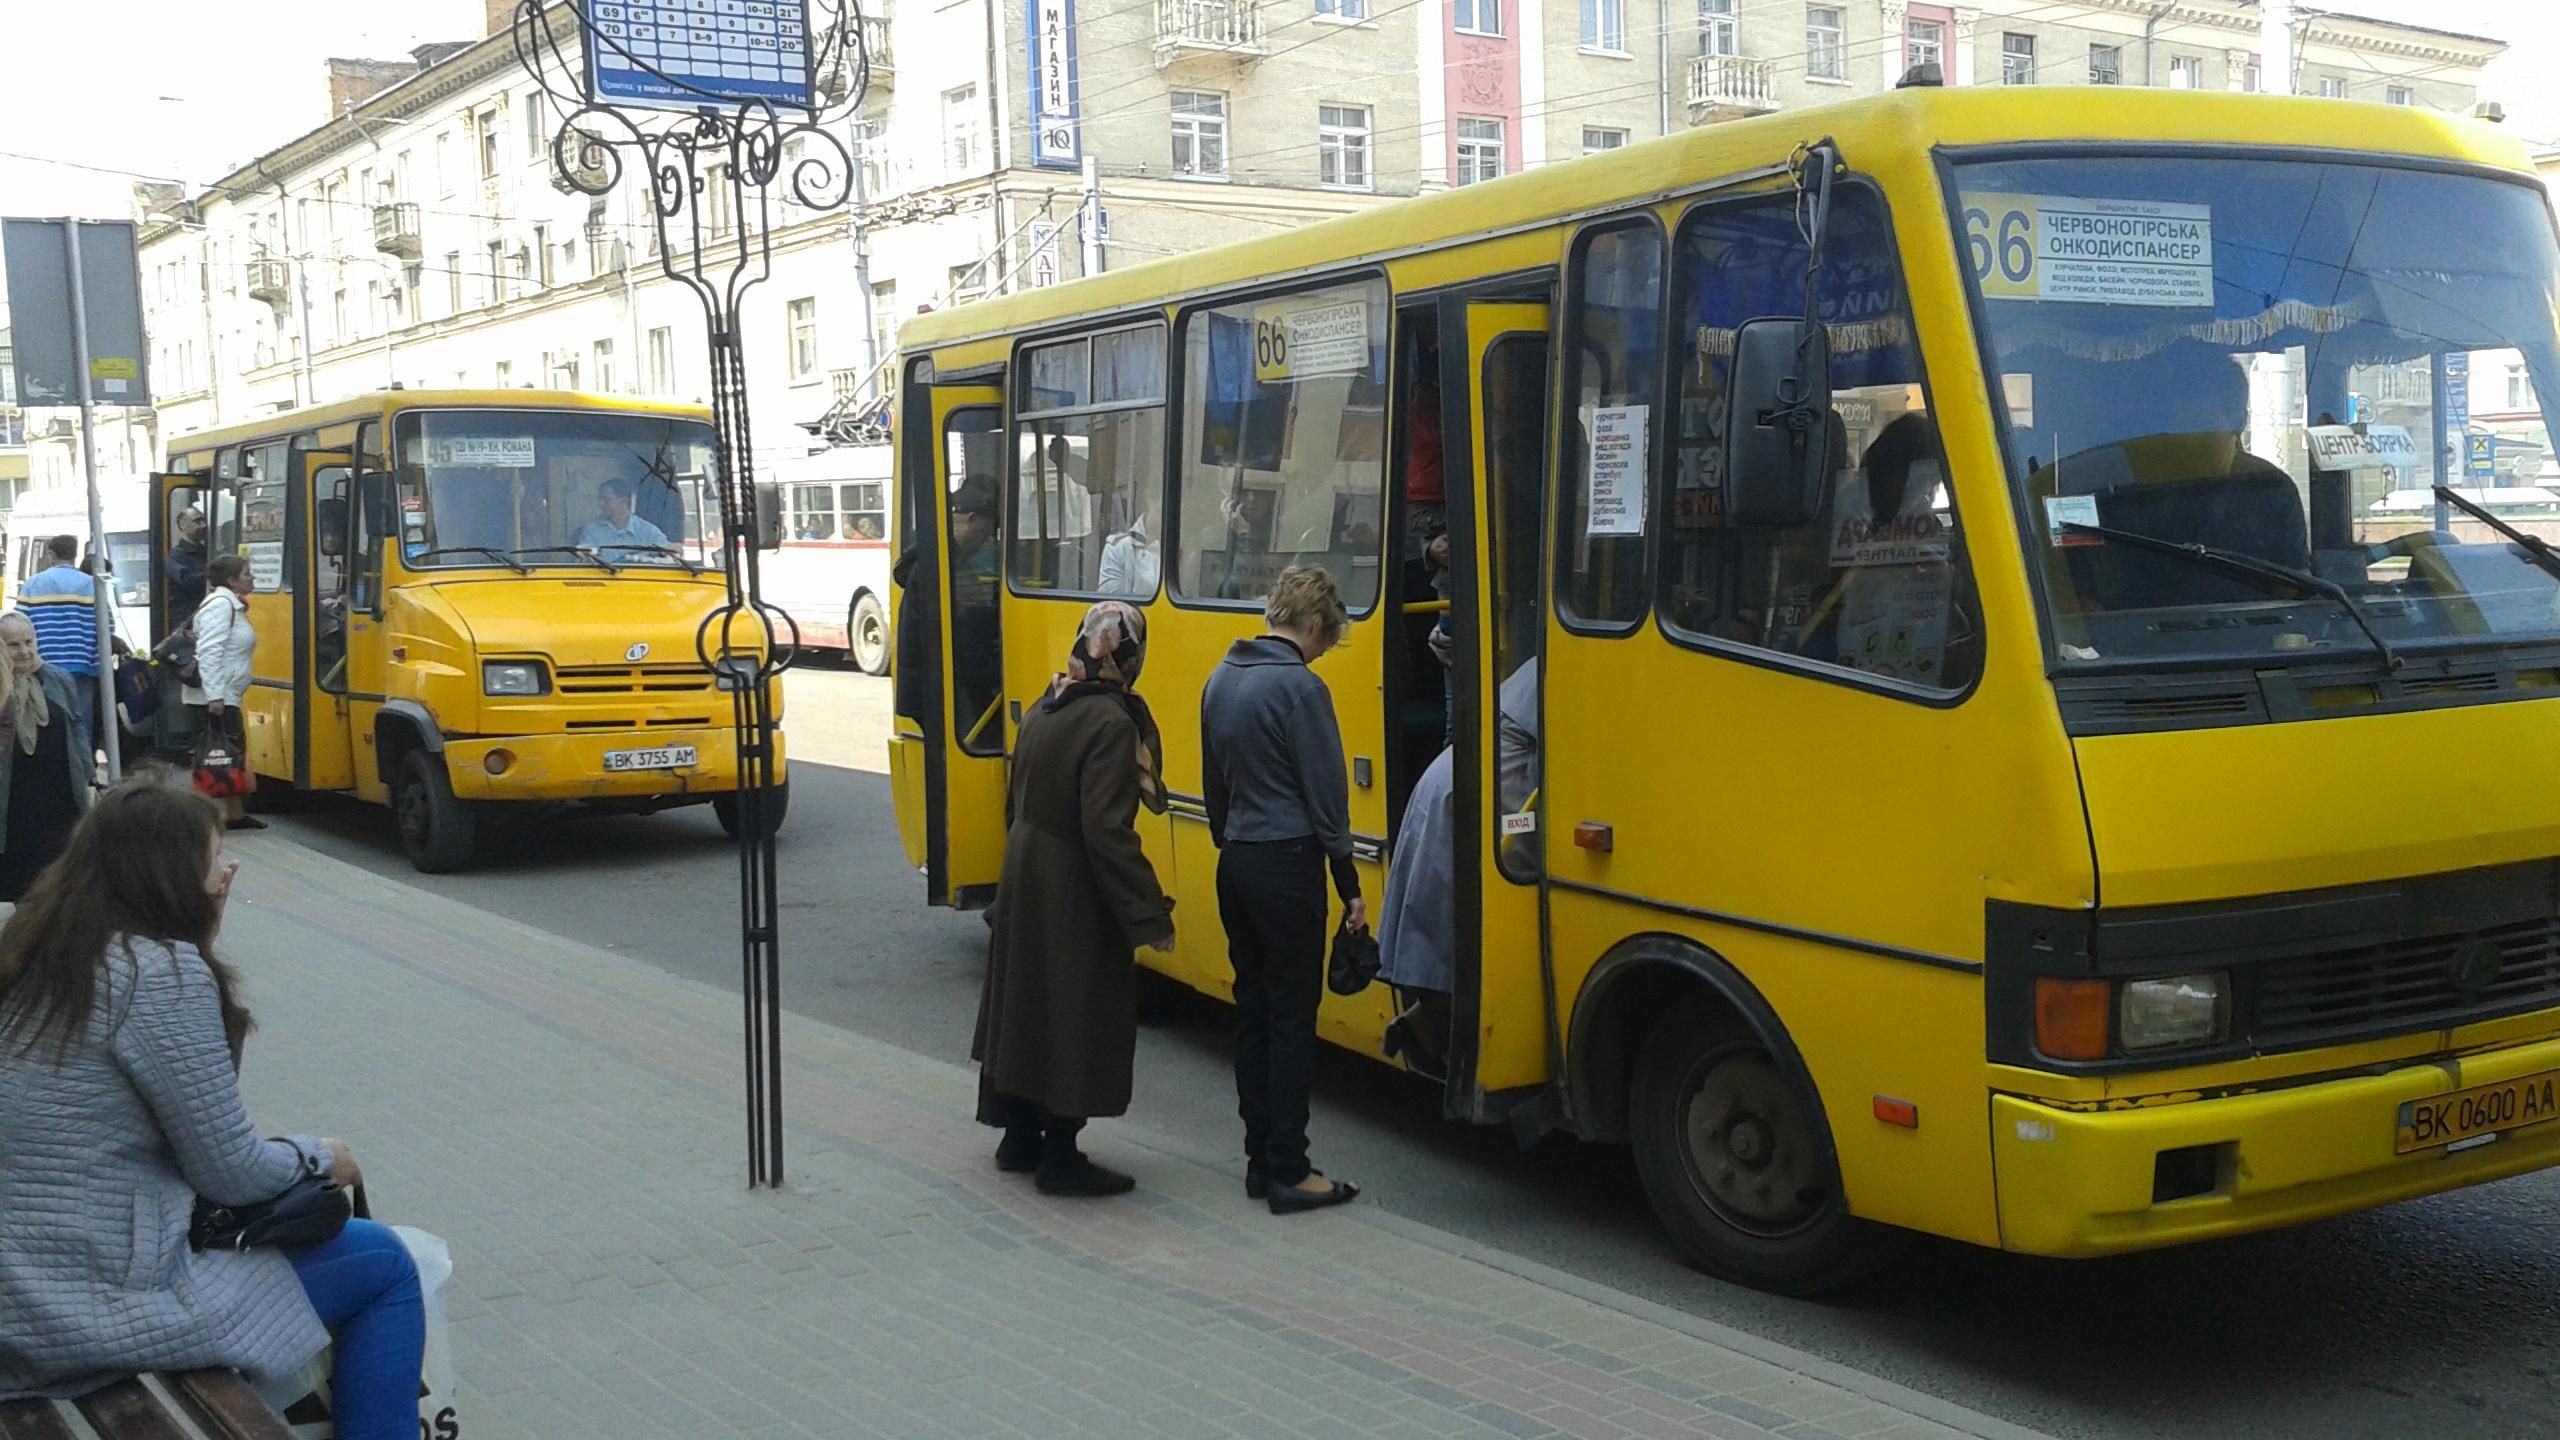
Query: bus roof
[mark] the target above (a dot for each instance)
(1899, 125)
(358, 407)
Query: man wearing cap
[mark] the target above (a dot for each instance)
(977, 572)
(186, 568)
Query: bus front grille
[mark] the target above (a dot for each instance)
(630, 679)
(2411, 984)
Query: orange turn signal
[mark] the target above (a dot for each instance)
(1898, 1112)
(2071, 1017)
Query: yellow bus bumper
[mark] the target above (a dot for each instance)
(2077, 1183)
(571, 767)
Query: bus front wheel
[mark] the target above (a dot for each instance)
(776, 805)
(867, 636)
(1737, 1159)
(440, 830)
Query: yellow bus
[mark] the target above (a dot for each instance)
(1932, 750)
(466, 600)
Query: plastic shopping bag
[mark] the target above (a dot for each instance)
(303, 1399)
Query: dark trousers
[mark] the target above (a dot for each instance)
(1271, 898)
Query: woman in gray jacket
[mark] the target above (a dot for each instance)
(120, 1039)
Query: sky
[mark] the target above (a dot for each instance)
(189, 88)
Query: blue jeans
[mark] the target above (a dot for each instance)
(365, 1287)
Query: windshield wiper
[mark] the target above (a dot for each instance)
(581, 551)
(669, 551)
(501, 556)
(2236, 562)
(2536, 548)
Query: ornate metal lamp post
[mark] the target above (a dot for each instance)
(718, 108)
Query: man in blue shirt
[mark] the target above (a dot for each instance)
(615, 527)
(62, 600)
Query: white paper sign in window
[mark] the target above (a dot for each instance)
(1617, 469)
(504, 452)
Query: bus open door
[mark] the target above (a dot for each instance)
(947, 742)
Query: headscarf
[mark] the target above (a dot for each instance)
(1110, 649)
(23, 712)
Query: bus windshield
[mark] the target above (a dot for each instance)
(2234, 386)
(559, 488)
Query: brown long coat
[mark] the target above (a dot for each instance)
(1057, 1022)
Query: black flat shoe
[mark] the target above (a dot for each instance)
(1084, 1179)
(246, 822)
(1017, 1159)
(1290, 1200)
(1257, 1181)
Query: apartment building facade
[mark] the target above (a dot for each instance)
(419, 236)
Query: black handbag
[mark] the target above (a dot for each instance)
(1355, 962)
(311, 1211)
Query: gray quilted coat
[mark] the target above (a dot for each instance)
(102, 1154)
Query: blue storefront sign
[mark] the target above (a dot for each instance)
(1054, 142)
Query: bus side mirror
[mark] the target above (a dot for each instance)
(768, 515)
(1777, 435)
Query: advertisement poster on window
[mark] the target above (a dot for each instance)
(1054, 143)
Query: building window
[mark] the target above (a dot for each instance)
(662, 361)
(2399, 95)
(968, 282)
(884, 322)
(488, 144)
(1342, 146)
(1604, 25)
(1479, 149)
(1480, 17)
(497, 272)
(1824, 32)
(1924, 42)
(1717, 28)
(2519, 388)
(453, 282)
(542, 255)
(871, 148)
(1344, 9)
(604, 367)
(960, 129)
(2333, 87)
(1199, 132)
(338, 318)
(444, 163)
(2017, 59)
(413, 282)
(803, 324)
(2186, 72)
(1596, 138)
(2106, 64)
(533, 126)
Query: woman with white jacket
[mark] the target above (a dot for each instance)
(224, 643)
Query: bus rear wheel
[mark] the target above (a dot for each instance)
(440, 830)
(1737, 1159)
(866, 634)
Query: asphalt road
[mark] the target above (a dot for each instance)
(2439, 1319)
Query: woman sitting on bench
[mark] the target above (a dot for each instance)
(120, 1040)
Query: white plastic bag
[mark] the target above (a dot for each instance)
(303, 1400)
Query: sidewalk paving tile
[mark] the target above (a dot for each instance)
(572, 1122)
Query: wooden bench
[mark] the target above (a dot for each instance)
(177, 1406)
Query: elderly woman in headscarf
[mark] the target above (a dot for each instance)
(48, 765)
(1057, 1023)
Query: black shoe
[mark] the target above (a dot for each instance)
(246, 822)
(1018, 1153)
(1257, 1181)
(1084, 1179)
(1290, 1200)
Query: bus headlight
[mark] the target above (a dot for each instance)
(2173, 1010)
(514, 677)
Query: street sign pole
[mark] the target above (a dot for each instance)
(101, 586)
(716, 119)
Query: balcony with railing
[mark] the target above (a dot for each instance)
(1727, 87)
(1195, 28)
(395, 230)
(270, 279)
(875, 48)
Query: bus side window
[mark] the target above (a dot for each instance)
(371, 519)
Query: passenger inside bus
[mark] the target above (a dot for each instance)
(1131, 564)
(977, 571)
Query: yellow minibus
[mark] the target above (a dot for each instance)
(1931, 738)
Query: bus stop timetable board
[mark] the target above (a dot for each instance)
(685, 54)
